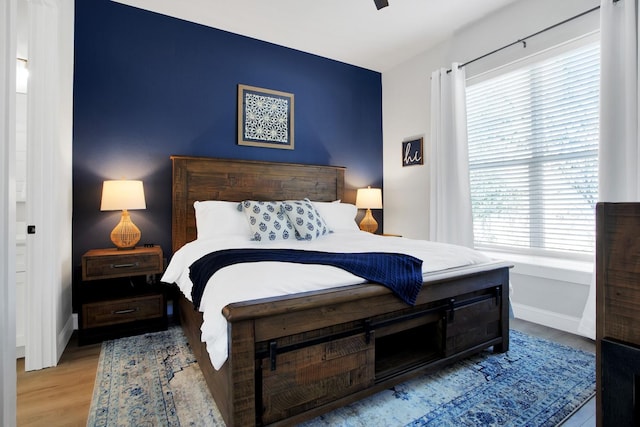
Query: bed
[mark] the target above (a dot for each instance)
(292, 357)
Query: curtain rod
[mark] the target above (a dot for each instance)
(524, 39)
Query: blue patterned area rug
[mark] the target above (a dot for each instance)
(153, 380)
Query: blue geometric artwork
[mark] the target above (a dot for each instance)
(265, 117)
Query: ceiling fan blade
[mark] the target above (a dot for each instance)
(381, 3)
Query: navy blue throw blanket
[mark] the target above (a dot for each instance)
(398, 272)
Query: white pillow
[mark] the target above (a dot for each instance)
(267, 221)
(305, 218)
(338, 216)
(217, 218)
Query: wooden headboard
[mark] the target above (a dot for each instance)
(202, 178)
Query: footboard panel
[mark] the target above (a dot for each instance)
(307, 371)
(472, 323)
(298, 380)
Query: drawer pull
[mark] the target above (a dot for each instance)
(126, 311)
(133, 264)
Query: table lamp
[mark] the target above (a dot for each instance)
(369, 198)
(123, 195)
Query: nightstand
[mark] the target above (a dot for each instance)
(120, 294)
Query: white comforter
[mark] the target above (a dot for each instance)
(247, 281)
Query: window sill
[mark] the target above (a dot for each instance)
(566, 270)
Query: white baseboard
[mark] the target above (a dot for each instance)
(547, 318)
(64, 336)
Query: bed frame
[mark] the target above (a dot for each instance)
(294, 357)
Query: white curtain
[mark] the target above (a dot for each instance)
(619, 151)
(49, 185)
(450, 219)
(8, 17)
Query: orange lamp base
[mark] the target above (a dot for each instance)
(368, 223)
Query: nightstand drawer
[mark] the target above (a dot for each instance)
(121, 311)
(110, 263)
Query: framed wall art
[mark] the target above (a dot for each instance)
(265, 117)
(412, 152)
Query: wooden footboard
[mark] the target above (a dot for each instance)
(293, 358)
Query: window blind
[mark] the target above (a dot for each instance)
(533, 155)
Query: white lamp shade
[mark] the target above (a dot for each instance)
(369, 198)
(122, 194)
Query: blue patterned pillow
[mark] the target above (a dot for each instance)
(306, 220)
(267, 220)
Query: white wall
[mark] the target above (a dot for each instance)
(406, 102)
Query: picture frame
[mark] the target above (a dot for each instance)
(265, 118)
(412, 152)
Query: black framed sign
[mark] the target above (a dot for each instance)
(412, 152)
(265, 117)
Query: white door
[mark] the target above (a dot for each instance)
(21, 225)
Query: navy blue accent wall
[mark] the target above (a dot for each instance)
(147, 86)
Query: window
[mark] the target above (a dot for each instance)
(533, 155)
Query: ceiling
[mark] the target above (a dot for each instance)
(350, 31)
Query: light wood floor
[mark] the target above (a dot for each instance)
(61, 396)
